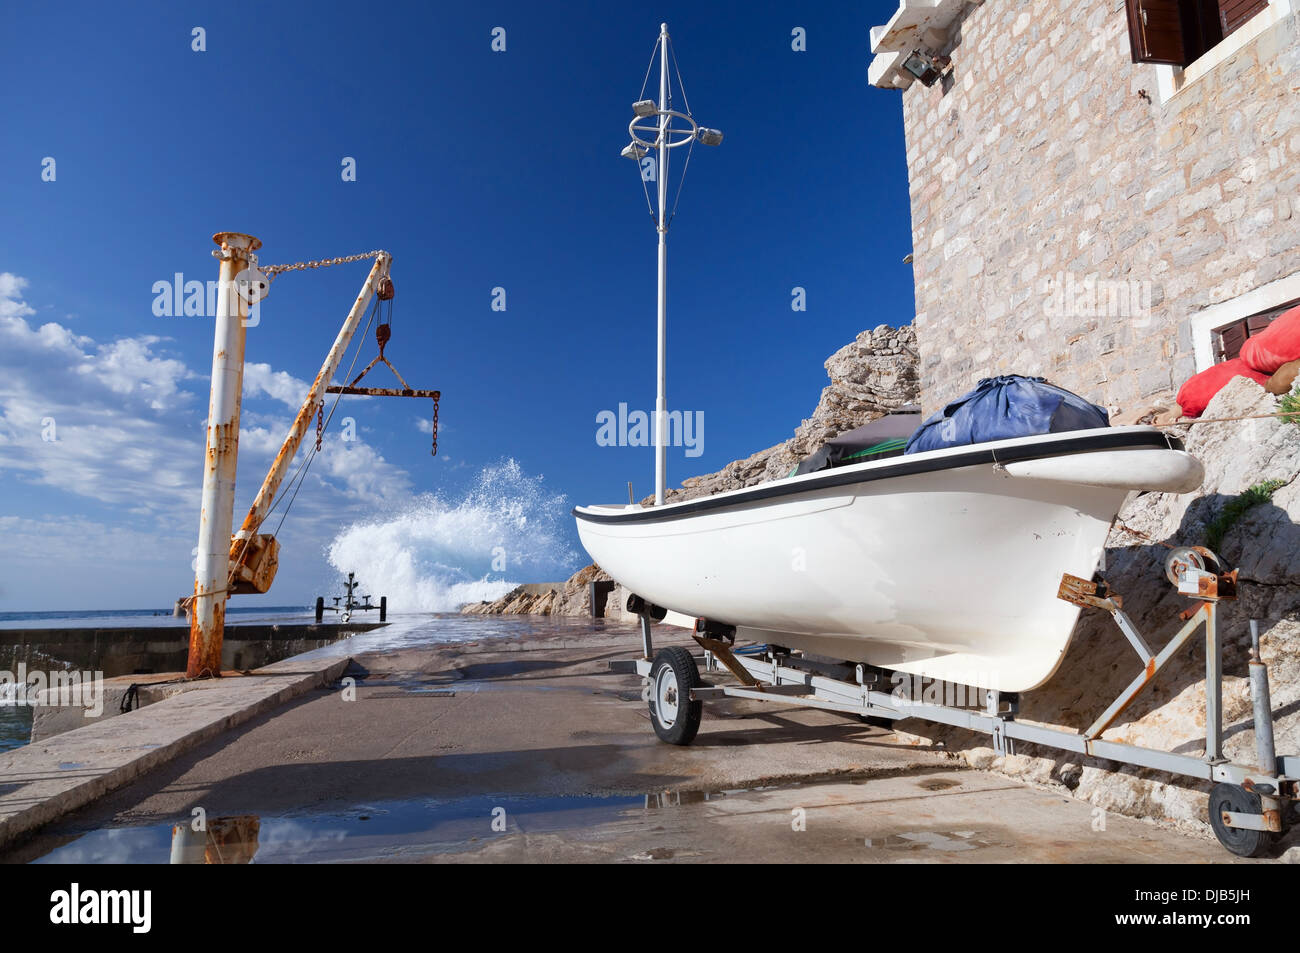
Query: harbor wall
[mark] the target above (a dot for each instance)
(127, 651)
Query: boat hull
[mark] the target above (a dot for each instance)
(947, 572)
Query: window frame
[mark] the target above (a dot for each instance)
(1172, 80)
(1261, 300)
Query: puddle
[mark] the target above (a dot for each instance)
(376, 831)
(363, 832)
(939, 784)
(412, 828)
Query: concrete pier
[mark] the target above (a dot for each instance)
(526, 748)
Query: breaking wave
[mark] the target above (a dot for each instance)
(435, 555)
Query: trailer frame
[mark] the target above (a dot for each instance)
(1267, 790)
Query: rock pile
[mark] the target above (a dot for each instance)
(571, 599)
(875, 374)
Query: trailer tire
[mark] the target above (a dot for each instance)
(1237, 840)
(676, 718)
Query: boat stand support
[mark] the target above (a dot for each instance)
(1249, 803)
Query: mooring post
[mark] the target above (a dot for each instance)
(208, 616)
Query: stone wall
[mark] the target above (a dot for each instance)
(1051, 162)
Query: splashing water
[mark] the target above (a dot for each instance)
(435, 556)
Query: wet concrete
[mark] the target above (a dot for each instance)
(527, 749)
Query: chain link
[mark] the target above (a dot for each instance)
(435, 425)
(272, 270)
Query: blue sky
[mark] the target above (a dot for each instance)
(476, 169)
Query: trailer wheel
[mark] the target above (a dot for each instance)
(1242, 842)
(675, 716)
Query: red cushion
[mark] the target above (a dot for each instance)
(1277, 344)
(1200, 389)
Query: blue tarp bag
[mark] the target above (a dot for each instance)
(1001, 408)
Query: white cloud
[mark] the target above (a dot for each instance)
(260, 379)
(127, 366)
(115, 423)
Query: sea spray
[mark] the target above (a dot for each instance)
(434, 555)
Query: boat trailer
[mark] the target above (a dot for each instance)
(1248, 805)
(350, 603)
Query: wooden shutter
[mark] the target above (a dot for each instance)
(1233, 13)
(1231, 338)
(1155, 30)
(1259, 322)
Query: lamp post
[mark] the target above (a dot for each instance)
(657, 126)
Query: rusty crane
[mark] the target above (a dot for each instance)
(246, 561)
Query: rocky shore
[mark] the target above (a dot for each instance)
(573, 598)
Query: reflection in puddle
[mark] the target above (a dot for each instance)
(387, 829)
(930, 840)
(364, 832)
(664, 799)
(221, 840)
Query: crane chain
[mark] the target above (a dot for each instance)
(435, 425)
(272, 270)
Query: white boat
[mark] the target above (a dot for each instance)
(943, 564)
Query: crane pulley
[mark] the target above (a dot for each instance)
(385, 292)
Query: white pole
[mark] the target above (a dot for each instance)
(661, 173)
(207, 622)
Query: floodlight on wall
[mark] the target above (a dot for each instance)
(925, 67)
(645, 108)
(709, 137)
(633, 151)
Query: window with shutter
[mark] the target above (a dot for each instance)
(1178, 32)
(1229, 338)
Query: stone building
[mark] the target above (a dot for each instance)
(1103, 192)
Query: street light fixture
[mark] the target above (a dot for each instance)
(671, 129)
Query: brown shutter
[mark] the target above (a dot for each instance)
(1259, 322)
(1231, 338)
(1233, 13)
(1155, 31)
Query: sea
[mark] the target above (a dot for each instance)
(429, 556)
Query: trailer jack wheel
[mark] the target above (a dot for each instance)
(675, 716)
(1238, 840)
